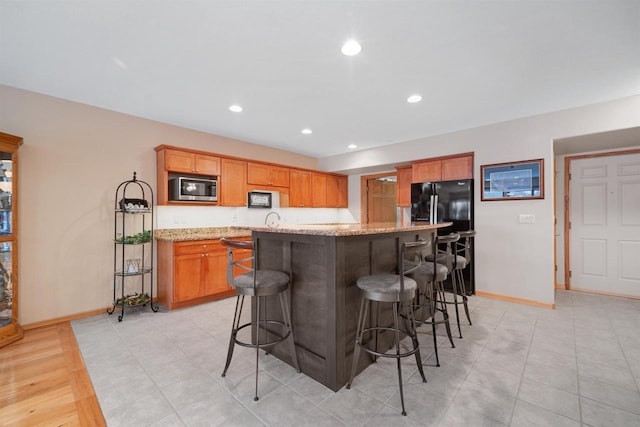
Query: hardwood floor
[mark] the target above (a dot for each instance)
(43, 381)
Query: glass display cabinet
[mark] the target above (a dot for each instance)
(10, 330)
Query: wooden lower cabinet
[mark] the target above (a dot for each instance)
(191, 273)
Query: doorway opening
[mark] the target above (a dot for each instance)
(378, 198)
(602, 223)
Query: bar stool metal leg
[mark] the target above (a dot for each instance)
(234, 329)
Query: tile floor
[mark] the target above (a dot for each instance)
(517, 365)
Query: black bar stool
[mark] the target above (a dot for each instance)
(400, 291)
(260, 284)
(463, 259)
(432, 294)
(458, 259)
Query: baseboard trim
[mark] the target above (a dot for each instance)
(63, 319)
(517, 300)
(603, 293)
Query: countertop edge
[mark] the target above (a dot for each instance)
(346, 229)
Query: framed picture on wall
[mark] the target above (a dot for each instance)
(513, 181)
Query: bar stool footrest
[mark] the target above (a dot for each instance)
(386, 354)
(261, 345)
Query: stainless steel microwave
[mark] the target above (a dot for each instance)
(185, 188)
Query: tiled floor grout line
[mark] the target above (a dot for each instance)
(575, 346)
(522, 374)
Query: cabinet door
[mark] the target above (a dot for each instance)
(215, 272)
(279, 176)
(188, 270)
(10, 329)
(343, 192)
(319, 190)
(300, 189)
(233, 183)
(207, 165)
(258, 173)
(179, 161)
(457, 168)
(404, 185)
(264, 174)
(333, 191)
(337, 191)
(427, 171)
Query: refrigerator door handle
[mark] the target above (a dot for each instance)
(433, 217)
(431, 209)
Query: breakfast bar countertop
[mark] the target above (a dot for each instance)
(345, 229)
(205, 233)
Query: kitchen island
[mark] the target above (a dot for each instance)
(324, 262)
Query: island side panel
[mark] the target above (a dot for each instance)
(307, 259)
(323, 294)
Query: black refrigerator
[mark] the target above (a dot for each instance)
(454, 204)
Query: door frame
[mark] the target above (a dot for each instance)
(567, 199)
(364, 205)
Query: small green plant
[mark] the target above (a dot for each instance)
(136, 239)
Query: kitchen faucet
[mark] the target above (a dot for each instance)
(272, 223)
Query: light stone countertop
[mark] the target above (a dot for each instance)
(349, 229)
(346, 229)
(207, 233)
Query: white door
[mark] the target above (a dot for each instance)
(605, 224)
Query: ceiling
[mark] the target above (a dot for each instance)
(185, 62)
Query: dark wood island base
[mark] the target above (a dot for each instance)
(324, 262)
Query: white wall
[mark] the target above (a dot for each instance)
(512, 259)
(71, 162)
(74, 156)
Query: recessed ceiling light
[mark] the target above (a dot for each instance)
(307, 131)
(351, 48)
(235, 108)
(414, 98)
(352, 146)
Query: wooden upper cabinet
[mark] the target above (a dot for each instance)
(319, 190)
(337, 191)
(443, 169)
(430, 170)
(207, 165)
(185, 161)
(265, 174)
(404, 175)
(300, 189)
(233, 183)
(457, 168)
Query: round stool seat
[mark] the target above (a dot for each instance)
(461, 262)
(268, 282)
(426, 268)
(386, 287)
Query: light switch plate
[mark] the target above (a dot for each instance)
(527, 218)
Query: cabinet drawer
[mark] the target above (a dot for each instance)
(200, 246)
